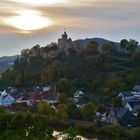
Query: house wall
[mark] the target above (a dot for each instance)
(111, 118)
(8, 100)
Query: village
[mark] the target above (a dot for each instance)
(125, 115)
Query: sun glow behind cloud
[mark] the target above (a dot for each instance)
(110, 19)
(28, 20)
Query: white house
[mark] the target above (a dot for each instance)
(78, 94)
(6, 99)
(46, 88)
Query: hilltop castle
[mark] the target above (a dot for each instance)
(65, 42)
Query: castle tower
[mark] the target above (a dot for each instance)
(65, 43)
(64, 36)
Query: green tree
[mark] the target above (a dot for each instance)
(115, 130)
(45, 108)
(70, 134)
(117, 102)
(63, 98)
(88, 111)
(124, 43)
(61, 112)
(132, 45)
(64, 85)
(73, 111)
(135, 133)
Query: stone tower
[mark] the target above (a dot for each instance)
(65, 43)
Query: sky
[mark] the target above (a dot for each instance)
(25, 23)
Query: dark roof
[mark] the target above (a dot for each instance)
(126, 93)
(134, 103)
(124, 116)
(119, 112)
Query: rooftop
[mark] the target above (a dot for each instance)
(126, 93)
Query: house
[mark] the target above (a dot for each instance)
(46, 88)
(77, 95)
(126, 95)
(31, 98)
(24, 100)
(136, 91)
(136, 94)
(120, 116)
(6, 99)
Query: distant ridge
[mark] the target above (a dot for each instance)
(6, 62)
(99, 42)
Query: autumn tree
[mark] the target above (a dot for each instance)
(43, 76)
(108, 48)
(101, 108)
(63, 98)
(91, 49)
(18, 79)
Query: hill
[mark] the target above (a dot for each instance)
(100, 74)
(6, 62)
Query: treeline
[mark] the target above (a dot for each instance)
(26, 126)
(103, 73)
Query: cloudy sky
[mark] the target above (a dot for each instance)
(25, 23)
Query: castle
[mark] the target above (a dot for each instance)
(65, 43)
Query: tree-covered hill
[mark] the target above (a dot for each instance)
(101, 74)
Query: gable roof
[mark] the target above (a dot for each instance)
(119, 112)
(4, 94)
(126, 93)
(79, 92)
(124, 116)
